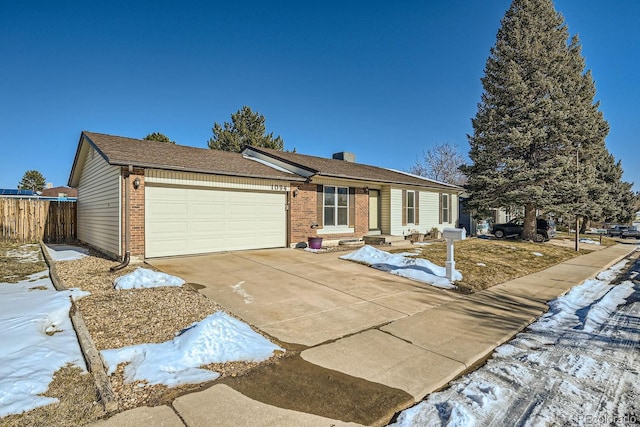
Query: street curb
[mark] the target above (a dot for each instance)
(89, 350)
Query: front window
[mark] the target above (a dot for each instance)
(445, 208)
(336, 206)
(411, 207)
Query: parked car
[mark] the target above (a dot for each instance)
(514, 228)
(616, 230)
(631, 233)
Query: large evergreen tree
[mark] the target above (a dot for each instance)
(32, 180)
(537, 132)
(160, 137)
(246, 128)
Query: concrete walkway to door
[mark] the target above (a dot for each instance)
(301, 297)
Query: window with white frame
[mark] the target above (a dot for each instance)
(336, 206)
(411, 207)
(445, 208)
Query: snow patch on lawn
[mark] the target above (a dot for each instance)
(412, 268)
(219, 338)
(25, 253)
(145, 278)
(589, 241)
(37, 339)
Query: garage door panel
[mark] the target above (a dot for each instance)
(205, 210)
(182, 221)
(204, 245)
(169, 228)
(209, 227)
(168, 210)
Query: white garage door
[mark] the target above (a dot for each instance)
(186, 221)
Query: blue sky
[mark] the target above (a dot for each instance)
(385, 80)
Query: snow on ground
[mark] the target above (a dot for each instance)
(145, 278)
(238, 289)
(66, 252)
(25, 253)
(577, 365)
(37, 339)
(219, 338)
(412, 268)
(589, 241)
(537, 254)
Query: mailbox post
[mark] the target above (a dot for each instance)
(451, 235)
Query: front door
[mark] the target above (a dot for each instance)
(374, 209)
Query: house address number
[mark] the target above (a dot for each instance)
(279, 188)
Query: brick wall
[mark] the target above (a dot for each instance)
(362, 213)
(304, 212)
(136, 214)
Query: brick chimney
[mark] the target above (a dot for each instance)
(346, 156)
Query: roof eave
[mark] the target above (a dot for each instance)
(73, 179)
(385, 181)
(308, 172)
(208, 172)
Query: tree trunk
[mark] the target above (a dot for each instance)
(586, 222)
(529, 228)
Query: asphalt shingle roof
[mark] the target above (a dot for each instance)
(121, 151)
(343, 169)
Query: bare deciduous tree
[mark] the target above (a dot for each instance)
(441, 163)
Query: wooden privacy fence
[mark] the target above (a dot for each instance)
(29, 220)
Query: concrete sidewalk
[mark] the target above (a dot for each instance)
(416, 353)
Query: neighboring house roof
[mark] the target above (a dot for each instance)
(344, 169)
(121, 151)
(56, 191)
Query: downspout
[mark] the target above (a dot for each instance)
(127, 253)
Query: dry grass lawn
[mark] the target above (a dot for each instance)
(485, 263)
(17, 261)
(77, 405)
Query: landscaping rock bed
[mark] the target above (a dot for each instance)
(120, 318)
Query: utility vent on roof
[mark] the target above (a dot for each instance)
(346, 156)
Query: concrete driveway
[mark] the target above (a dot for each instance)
(301, 297)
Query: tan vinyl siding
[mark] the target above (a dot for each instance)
(155, 176)
(428, 209)
(385, 210)
(397, 229)
(99, 204)
(429, 215)
(453, 212)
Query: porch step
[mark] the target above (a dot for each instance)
(384, 239)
